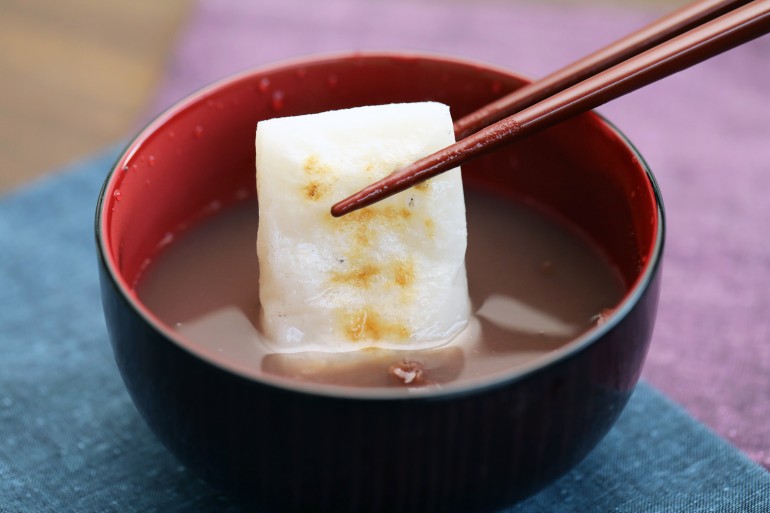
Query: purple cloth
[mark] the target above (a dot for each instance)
(704, 132)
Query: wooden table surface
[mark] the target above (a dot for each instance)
(77, 75)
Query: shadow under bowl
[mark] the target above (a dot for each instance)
(293, 447)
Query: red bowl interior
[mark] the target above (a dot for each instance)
(200, 155)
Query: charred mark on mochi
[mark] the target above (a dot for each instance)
(363, 225)
(313, 166)
(404, 274)
(357, 225)
(391, 279)
(379, 215)
(430, 228)
(321, 178)
(367, 324)
(360, 277)
(315, 190)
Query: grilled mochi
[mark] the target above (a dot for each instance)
(391, 275)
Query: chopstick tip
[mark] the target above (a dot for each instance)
(340, 208)
(357, 201)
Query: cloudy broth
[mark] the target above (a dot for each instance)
(535, 285)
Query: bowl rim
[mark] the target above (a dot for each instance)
(477, 385)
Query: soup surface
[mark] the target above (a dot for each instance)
(534, 283)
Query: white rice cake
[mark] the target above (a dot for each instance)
(391, 275)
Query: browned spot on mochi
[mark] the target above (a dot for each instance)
(367, 324)
(362, 232)
(361, 277)
(363, 225)
(390, 280)
(422, 186)
(403, 213)
(387, 214)
(358, 217)
(315, 190)
(430, 228)
(404, 274)
(321, 178)
(313, 166)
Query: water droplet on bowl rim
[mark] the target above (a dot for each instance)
(277, 102)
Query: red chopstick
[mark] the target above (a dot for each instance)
(698, 44)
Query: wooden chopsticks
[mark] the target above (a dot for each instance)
(637, 60)
(663, 29)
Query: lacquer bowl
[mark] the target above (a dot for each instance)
(286, 446)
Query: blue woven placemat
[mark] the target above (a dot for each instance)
(70, 439)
